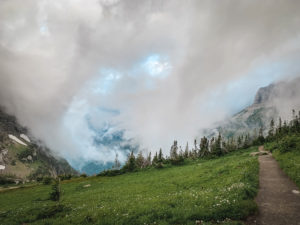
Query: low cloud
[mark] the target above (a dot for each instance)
(65, 62)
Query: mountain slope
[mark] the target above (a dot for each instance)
(273, 101)
(22, 157)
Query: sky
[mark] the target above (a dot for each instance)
(91, 77)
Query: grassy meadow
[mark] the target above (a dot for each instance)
(205, 191)
(287, 152)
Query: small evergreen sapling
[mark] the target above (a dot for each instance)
(55, 195)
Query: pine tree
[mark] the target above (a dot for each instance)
(294, 113)
(186, 151)
(218, 146)
(246, 141)
(239, 142)
(180, 155)
(149, 159)
(140, 160)
(195, 144)
(285, 128)
(212, 145)
(173, 151)
(117, 163)
(271, 130)
(230, 145)
(255, 134)
(279, 126)
(261, 138)
(160, 156)
(55, 195)
(155, 158)
(204, 147)
(130, 163)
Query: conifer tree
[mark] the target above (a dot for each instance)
(204, 146)
(117, 163)
(218, 146)
(230, 145)
(195, 144)
(55, 195)
(186, 151)
(261, 138)
(174, 151)
(271, 130)
(239, 142)
(155, 158)
(246, 141)
(294, 113)
(285, 128)
(212, 145)
(181, 153)
(190, 154)
(149, 159)
(160, 156)
(279, 130)
(255, 134)
(130, 163)
(140, 160)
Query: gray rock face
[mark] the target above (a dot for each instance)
(264, 94)
(3, 154)
(8, 124)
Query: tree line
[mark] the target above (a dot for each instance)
(207, 147)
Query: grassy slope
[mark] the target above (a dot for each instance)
(20, 169)
(288, 161)
(208, 190)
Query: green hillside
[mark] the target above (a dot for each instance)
(211, 190)
(25, 159)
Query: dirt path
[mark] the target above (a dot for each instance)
(277, 199)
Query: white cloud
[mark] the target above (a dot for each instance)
(53, 53)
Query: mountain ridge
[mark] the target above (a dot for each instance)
(22, 157)
(270, 102)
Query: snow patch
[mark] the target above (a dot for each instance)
(14, 138)
(24, 137)
(2, 167)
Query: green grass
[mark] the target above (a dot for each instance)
(210, 190)
(287, 153)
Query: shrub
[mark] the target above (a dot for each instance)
(47, 180)
(65, 177)
(13, 162)
(26, 152)
(111, 173)
(52, 211)
(177, 161)
(271, 146)
(83, 175)
(288, 144)
(159, 165)
(4, 180)
(39, 179)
